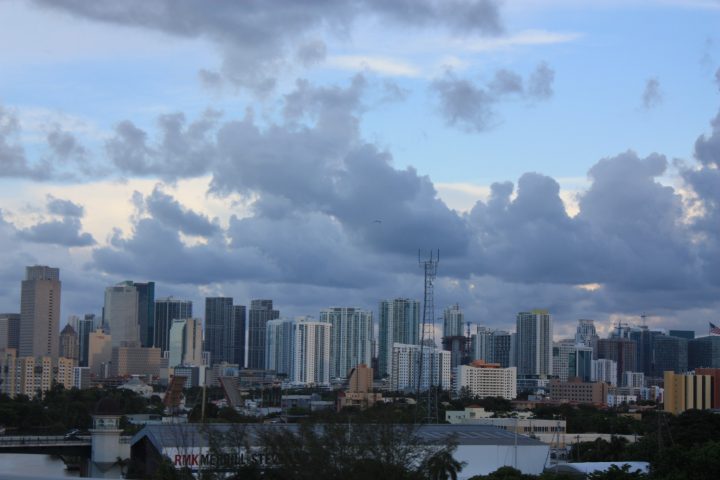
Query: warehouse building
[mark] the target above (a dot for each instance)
(483, 448)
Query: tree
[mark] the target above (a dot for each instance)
(442, 466)
(617, 473)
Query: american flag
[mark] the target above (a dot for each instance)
(714, 329)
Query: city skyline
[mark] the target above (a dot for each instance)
(558, 158)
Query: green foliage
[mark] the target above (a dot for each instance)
(505, 473)
(617, 473)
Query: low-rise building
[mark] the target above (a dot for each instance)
(687, 391)
(481, 379)
(576, 391)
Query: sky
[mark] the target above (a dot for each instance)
(560, 154)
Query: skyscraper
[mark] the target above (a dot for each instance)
(453, 321)
(237, 335)
(406, 368)
(399, 323)
(586, 334)
(167, 310)
(261, 312)
(621, 350)
(311, 352)
(186, 343)
(704, 352)
(40, 312)
(146, 312)
(218, 317)
(669, 354)
(350, 338)
(534, 343)
(69, 344)
(279, 345)
(86, 325)
(120, 314)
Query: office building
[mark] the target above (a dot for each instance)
(669, 353)
(237, 334)
(715, 374)
(311, 352)
(644, 339)
(534, 343)
(279, 345)
(492, 346)
(99, 353)
(350, 338)
(576, 391)
(120, 314)
(572, 360)
(69, 344)
(686, 334)
(605, 370)
(39, 333)
(9, 330)
(359, 393)
(481, 379)
(687, 391)
(219, 318)
(167, 310)
(622, 351)
(704, 352)
(146, 313)
(407, 371)
(141, 361)
(261, 312)
(586, 334)
(86, 326)
(633, 380)
(399, 322)
(186, 343)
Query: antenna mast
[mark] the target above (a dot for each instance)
(428, 334)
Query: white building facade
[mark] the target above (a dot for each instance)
(351, 338)
(407, 370)
(484, 380)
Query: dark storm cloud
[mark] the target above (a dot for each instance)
(65, 232)
(184, 150)
(169, 211)
(652, 96)
(256, 36)
(64, 208)
(471, 106)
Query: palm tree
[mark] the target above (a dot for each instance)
(442, 466)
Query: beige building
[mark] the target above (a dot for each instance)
(65, 372)
(40, 312)
(99, 352)
(69, 345)
(524, 425)
(486, 380)
(359, 393)
(29, 375)
(128, 361)
(576, 391)
(687, 391)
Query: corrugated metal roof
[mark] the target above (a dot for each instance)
(195, 434)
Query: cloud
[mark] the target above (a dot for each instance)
(183, 150)
(707, 148)
(257, 39)
(13, 162)
(64, 208)
(170, 212)
(311, 53)
(471, 106)
(65, 145)
(65, 232)
(382, 65)
(541, 82)
(652, 95)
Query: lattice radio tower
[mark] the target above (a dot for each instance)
(427, 335)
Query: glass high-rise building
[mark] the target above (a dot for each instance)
(453, 322)
(534, 343)
(237, 334)
(704, 352)
(669, 354)
(85, 327)
(400, 322)
(261, 312)
(9, 330)
(218, 318)
(146, 312)
(39, 333)
(278, 346)
(350, 338)
(167, 310)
